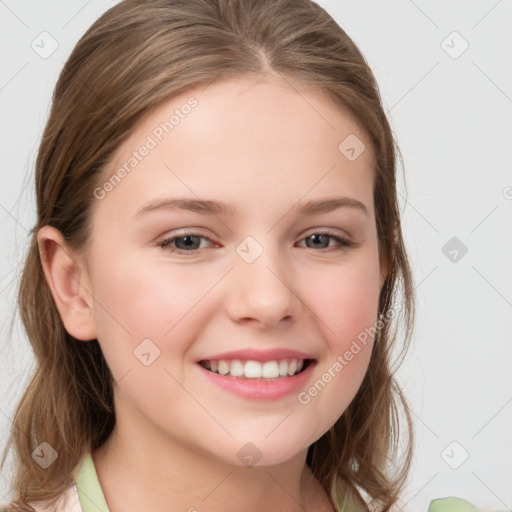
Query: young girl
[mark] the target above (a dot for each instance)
(217, 271)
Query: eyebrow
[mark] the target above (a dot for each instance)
(210, 207)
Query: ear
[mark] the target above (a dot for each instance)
(69, 283)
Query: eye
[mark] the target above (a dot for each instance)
(189, 243)
(320, 238)
(186, 243)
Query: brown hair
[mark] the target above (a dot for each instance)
(133, 57)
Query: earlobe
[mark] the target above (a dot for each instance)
(68, 282)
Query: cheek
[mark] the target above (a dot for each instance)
(346, 301)
(140, 301)
(347, 304)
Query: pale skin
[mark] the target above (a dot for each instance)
(261, 146)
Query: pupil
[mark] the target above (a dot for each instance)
(188, 243)
(317, 236)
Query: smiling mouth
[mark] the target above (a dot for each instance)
(257, 370)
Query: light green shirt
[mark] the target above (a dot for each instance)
(88, 486)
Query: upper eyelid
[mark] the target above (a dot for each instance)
(309, 232)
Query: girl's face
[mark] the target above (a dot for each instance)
(181, 289)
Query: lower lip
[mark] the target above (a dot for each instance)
(260, 389)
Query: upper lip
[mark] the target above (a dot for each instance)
(252, 354)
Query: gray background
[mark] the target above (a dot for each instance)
(451, 111)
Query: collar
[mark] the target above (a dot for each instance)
(88, 486)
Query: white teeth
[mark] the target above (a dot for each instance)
(236, 368)
(292, 367)
(223, 368)
(270, 370)
(256, 369)
(252, 370)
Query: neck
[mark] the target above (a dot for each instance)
(142, 472)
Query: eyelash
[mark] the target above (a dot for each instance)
(344, 244)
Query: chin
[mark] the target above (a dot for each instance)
(265, 452)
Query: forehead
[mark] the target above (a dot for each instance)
(243, 137)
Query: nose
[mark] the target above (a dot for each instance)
(262, 292)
